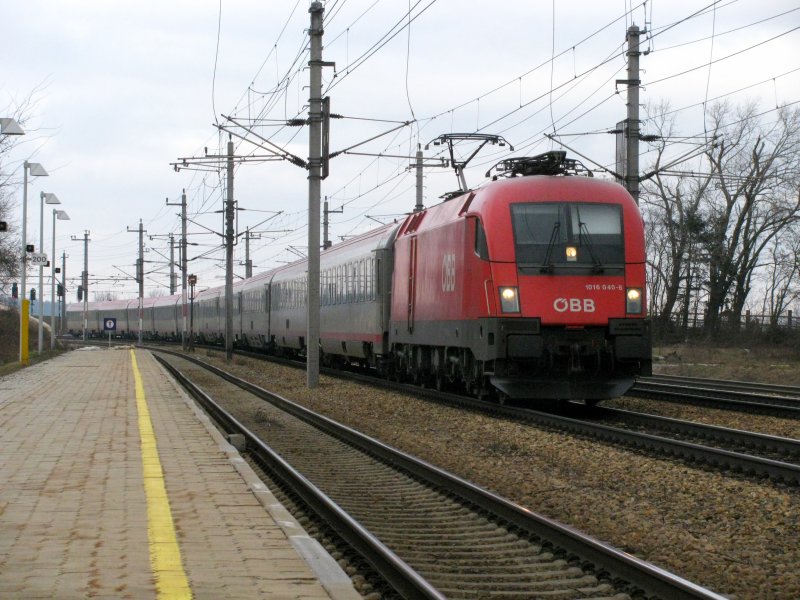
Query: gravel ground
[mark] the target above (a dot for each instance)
(730, 534)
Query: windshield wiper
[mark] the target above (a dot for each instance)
(598, 266)
(547, 265)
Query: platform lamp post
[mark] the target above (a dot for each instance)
(44, 198)
(35, 170)
(61, 215)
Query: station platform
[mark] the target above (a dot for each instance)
(114, 484)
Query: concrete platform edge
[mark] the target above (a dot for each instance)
(331, 576)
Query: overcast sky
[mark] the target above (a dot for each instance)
(116, 91)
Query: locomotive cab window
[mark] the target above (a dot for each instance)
(568, 235)
(481, 246)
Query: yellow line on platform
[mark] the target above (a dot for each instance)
(165, 554)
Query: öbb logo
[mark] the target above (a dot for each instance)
(574, 305)
(449, 273)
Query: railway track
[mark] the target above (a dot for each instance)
(769, 456)
(768, 389)
(427, 533)
(777, 400)
(742, 452)
(734, 450)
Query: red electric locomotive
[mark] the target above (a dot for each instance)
(532, 286)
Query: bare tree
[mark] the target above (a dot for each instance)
(10, 244)
(781, 275)
(672, 207)
(105, 296)
(755, 166)
(658, 253)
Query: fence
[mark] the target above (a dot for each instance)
(768, 327)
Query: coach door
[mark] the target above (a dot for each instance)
(412, 282)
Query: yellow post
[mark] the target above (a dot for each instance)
(23, 323)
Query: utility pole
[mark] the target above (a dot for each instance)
(419, 164)
(632, 149)
(171, 264)
(248, 264)
(140, 275)
(314, 189)
(229, 236)
(184, 244)
(184, 247)
(326, 241)
(85, 279)
(214, 162)
(192, 280)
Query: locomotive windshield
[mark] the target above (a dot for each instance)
(555, 235)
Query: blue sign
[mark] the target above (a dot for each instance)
(109, 324)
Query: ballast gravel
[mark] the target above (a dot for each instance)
(733, 535)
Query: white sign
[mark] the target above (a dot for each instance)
(38, 259)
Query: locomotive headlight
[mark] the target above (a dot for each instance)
(509, 300)
(634, 301)
(572, 254)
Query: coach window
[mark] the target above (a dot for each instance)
(370, 278)
(357, 281)
(362, 281)
(353, 282)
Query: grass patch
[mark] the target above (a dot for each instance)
(9, 342)
(765, 363)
